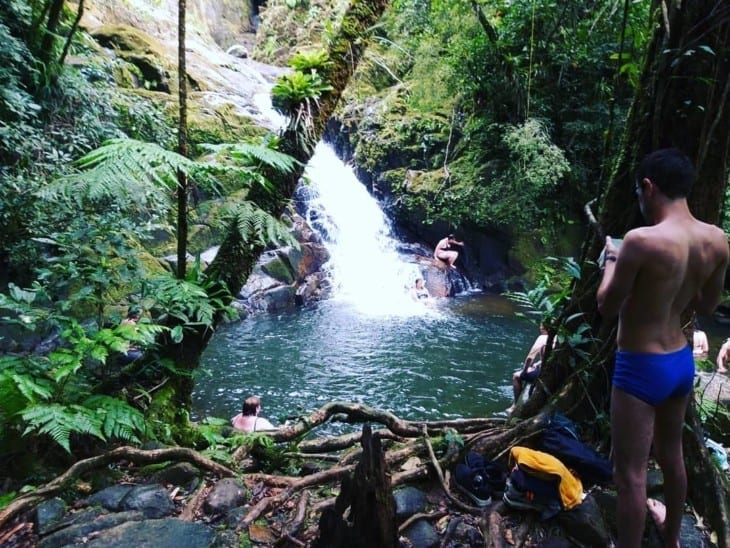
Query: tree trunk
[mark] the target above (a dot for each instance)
(681, 102)
(368, 495)
(182, 145)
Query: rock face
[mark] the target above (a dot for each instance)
(222, 86)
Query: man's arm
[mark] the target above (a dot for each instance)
(708, 297)
(536, 349)
(619, 274)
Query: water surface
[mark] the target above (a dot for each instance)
(455, 360)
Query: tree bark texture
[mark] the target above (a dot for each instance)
(369, 497)
(182, 144)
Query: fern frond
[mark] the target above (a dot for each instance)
(119, 419)
(256, 225)
(255, 155)
(59, 422)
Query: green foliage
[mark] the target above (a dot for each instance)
(193, 301)
(92, 259)
(255, 225)
(296, 94)
(547, 302)
(60, 421)
(310, 61)
(119, 420)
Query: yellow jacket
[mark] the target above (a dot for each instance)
(548, 467)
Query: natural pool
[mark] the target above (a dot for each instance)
(452, 360)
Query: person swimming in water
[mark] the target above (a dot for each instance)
(419, 293)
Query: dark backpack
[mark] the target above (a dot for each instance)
(560, 439)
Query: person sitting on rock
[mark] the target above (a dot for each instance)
(700, 345)
(531, 367)
(248, 419)
(445, 252)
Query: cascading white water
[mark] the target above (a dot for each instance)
(365, 268)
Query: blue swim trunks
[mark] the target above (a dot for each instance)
(654, 378)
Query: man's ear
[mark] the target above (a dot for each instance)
(647, 185)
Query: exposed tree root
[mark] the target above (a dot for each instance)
(138, 456)
(408, 453)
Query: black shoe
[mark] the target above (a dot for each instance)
(473, 483)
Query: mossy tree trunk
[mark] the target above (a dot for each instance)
(682, 102)
(182, 144)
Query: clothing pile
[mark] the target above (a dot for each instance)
(547, 480)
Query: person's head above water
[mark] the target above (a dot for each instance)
(251, 406)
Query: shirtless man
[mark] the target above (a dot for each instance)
(248, 419)
(661, 270)
(531, 368)
(723, 356)
(445, 252)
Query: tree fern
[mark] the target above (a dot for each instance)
(60, 421)
(19, 386)
(134, 174)
(249, 155)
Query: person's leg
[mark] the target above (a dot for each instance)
(632, 422)
(517, 384)
(668, 425)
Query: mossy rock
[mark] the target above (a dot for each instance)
(279, 269)
(219, 123)
(125, 38)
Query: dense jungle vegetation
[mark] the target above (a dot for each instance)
(507, 114)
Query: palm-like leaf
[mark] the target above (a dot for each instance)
(139, 176)
(249, 155)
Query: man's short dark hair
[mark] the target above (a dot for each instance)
(451, 237)
(669, 169)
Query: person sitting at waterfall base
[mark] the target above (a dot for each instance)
(445, 252)
(248, 419)
(419, 293)
(531, 368)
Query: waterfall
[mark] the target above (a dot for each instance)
(365, 267)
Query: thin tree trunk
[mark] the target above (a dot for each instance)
(49, 33)
(182, 145)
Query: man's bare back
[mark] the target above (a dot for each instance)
(669, 265)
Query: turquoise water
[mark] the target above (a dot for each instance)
(455, 360)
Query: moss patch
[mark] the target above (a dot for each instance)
(221, 123)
